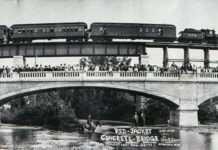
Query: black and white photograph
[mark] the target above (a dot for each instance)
(108, 75)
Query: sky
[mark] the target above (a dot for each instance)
(196, 14)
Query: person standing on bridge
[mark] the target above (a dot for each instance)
(194, 69)
(183, 68)
(173, 65)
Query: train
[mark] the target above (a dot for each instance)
(110, 31)
(4, 30)
(190, 35)
(29, 32)
(104, 32)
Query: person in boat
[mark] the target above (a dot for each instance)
(90, 125)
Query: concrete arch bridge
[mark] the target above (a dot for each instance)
(185, 91)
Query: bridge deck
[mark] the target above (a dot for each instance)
(46, 49)
(108, 76)
(182, 45)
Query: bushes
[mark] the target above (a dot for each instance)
(207, 112)
(59, 109)
(46, 112)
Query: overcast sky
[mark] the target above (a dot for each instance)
(182, 13)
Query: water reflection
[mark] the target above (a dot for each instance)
(16, 137)
(199, 139)
(2, 140)
(207, 140)
(22, 137)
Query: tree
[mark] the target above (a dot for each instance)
(106, 60)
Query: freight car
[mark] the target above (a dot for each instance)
(109, 31)
(28, 32)
(3, 34)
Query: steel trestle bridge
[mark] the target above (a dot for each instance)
(56, 49)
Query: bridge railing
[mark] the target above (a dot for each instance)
(133, 74)
(6, 76)
(166, 74)
(59, 74)
(106, 76)
(99, 74)
(208, 75)
(32, 75)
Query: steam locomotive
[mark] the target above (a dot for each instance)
(101, 31)
(198, 36)
(3, 33)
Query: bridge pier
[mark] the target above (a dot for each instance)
(186, 56)
(174, 117)
(165, 57)
(184, 118)
(188, 112)
(143, 59)
(186, 115)
(18, 61)
(206, 58)
(188, 118)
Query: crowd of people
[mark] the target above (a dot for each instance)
(6, 71)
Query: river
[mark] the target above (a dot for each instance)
(37, 138)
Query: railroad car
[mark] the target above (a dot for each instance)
(210, 36)
(28, 32)
(190, 35)
(109, 31)
(3, 34)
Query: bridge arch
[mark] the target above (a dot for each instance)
(4, 98)
(207, 97)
